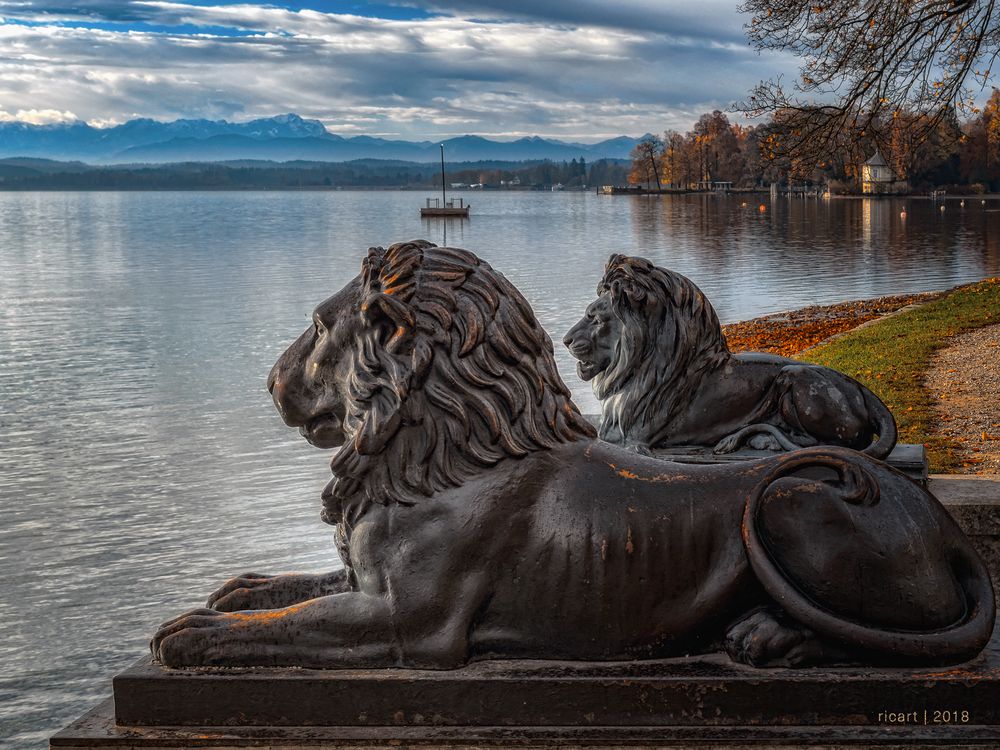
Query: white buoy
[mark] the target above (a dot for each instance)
(961, 204)
(942, 208)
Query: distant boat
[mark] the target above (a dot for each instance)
(442, 206)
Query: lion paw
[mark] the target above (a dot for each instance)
(256, 591)
(188, 640)
(769, 639)
(764, 442)
(727, 444)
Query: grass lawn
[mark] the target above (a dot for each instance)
(892, 356)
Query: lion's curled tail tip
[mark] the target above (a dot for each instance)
(855, 480)
(884, 425)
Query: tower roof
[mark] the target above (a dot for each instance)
(877, 160)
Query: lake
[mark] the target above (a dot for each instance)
(141, 460)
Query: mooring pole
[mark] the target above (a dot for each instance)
(442, 177)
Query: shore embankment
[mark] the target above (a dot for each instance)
(933, 358)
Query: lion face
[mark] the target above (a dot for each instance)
(594, 339)
(307, 380)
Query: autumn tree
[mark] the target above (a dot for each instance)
(718, 148)
(646, 157)
(864, 62)
(673, 160)
(979, 153)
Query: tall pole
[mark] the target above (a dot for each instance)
(442, 177)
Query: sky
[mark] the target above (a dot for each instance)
(413, 69)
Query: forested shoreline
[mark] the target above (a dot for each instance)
(950, 153)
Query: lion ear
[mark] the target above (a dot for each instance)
(379, 308)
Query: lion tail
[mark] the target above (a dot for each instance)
(797, 506)
(884, 425)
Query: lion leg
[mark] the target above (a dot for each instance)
(255, 591)
(343, 630)
(769, 638)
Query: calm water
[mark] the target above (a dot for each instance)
(141, 461)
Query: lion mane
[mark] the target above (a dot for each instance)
(451, 375)
(670, 336)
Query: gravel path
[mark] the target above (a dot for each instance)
(965, 379)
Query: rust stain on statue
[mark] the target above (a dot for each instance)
(260, 617)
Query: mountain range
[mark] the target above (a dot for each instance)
(282, 138)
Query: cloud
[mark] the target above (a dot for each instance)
(554, 72)
(707, 19)
(38, 116)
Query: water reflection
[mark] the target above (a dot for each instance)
(140, 458)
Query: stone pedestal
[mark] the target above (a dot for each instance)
(974, 502)
(701, 701)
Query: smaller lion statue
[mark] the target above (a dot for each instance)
(652, 347)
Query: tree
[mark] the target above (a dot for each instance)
(645, 161)
(718, 148)
(672, 159)
(866, 62)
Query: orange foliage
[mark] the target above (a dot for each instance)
(789, 333)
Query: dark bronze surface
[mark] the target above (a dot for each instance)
(478, 516)
(653, 349)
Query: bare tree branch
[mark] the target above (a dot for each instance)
(864, 64)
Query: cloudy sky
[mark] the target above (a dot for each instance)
(581, 69)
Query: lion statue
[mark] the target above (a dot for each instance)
(478, 516)
(652, 348)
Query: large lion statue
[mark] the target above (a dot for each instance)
(478, 516)
(653, 349)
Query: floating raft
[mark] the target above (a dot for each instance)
(454, 207)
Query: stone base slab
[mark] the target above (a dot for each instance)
(97, 730)
(698, 701)
(708, 690)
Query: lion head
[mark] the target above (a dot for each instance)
(423, 371)
(643, 344)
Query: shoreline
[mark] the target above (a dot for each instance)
(791, 332)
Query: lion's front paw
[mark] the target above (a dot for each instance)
(727, 444)
(191, 639)
(255, 591)
(245, 591)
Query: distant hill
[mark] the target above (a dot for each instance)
(282, 138)
(27, 173)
